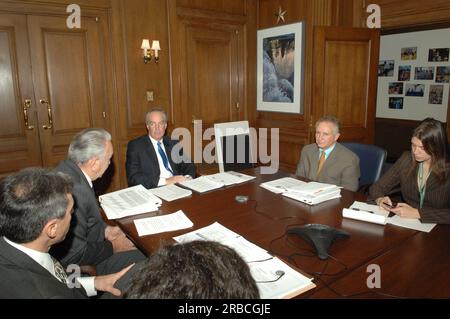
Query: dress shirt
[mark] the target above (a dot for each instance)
(327, 151)
(165, 174)
(45, 260)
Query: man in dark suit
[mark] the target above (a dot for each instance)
(36, 207)
(327, 161)
(90, 240)
(150, 160)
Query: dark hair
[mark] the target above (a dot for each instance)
(434, 140)
(198, 269)
(29, 199)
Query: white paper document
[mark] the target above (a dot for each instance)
(281, 185)
(171, 192)
(216, 232)
(313, 188)
(276, 280)
(313, 200)
(163, 223)
(242, 176)
(264, 268)
(410, 223)
(230, 178)
(375, 214)
(129, 201)
(202, 184)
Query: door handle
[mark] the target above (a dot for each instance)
(26, 106)
(49, 114)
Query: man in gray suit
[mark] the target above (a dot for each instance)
(327, 161)
(36, 207)
(90, 240)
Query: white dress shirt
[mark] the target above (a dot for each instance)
(165, 174)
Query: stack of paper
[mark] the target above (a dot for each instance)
(264, 268)
(366, 212)
(281, 185)
(129, 201)
(171, 192)
(375, 214)
(163, 223)
(313, 192)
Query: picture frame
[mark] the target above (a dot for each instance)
(280, 68)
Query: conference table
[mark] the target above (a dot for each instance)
(411, 264)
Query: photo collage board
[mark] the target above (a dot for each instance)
(414, 75)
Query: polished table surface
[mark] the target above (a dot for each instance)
(412, 264)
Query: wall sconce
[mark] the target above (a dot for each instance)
(150, 52)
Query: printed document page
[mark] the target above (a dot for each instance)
(276, 280)
(228, 178)
(216, 232)
(201, 184)
(313, 188)
(129, 201)
(410, 223)
(242, 176)
(281, 185)
(171, 192)
(163, 223)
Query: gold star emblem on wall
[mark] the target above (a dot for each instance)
(280, 15)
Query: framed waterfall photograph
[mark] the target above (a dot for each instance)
(280, 60)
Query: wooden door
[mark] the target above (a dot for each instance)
(69, 81)
(212, 71)
(19, 141)
(345, 79)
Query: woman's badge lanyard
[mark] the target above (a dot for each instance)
(422, 183)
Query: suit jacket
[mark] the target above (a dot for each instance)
(142, 162)
(436, 204)
(85, 242)
(22, 277)
(341, 167)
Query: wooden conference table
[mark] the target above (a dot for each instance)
(413, 264)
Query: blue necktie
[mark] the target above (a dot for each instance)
(164, 158)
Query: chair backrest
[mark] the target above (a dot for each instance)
(233, 146)
(371, 161)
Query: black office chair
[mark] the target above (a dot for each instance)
(371, 161)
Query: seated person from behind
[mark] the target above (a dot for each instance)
(194, 270)
(90, 240)
(327, 161)
(36, 207)
(150, 161)
(423, 177)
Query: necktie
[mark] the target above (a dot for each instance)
(321, 162)
(60, 273)
(164, 158)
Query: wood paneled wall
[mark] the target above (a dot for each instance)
(295, 130)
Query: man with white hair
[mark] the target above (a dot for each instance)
(90, 240)
(327, 161)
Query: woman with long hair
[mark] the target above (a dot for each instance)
(422, 175)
